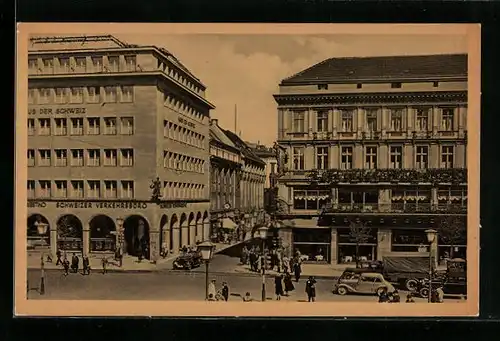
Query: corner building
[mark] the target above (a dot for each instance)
(386, 138)
(106, 119)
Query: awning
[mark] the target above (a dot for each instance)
(227, 223)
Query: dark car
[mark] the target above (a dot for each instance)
(187, 260)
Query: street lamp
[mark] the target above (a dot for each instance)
(431, 237)
(263, 236)
(206, 249)
(119, 222)
(42, 230)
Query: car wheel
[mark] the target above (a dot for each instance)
(411, 285)
(424, 292)
(342, 291)
(380, 291)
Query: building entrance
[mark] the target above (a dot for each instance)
(136, 232)
(69, 233)
(102, 234)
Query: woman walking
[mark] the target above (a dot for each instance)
(278, 287)
(288, 283)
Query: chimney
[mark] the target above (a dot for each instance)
(214, 122)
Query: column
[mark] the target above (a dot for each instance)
(359, 115)
(385, 119)
(358, 157)
(383, 243)
(192, 233)
(281, 127)
(434, 252)
(434, 198)
(408, 156)
(184, 235)
(310, 120)
(286, 236)
(434, 156)
(435, 120)
(199, 232)
(176, 232)
(460, 158)
(309, 157)
(334, 161)
(166, 237)
(154, 241)
(335, 122)
(206, 230)
(285, 121)
(333, 246)
(86, 240)
(383, 157)
(53, 240)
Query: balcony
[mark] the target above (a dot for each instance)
(424, 208)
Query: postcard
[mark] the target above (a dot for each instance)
(247, 170)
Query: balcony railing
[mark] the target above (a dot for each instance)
(395, 208)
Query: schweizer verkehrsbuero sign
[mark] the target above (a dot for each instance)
(85, 204)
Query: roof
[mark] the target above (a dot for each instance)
(218, 134)
(387, 67)
(245, 149)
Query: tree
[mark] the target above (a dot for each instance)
(451, 230)
(358, 233)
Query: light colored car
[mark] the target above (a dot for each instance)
(362, 283)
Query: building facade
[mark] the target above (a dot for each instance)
(118, 147)
(377, 142)
(268, 155)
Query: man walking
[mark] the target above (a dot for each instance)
(104, 262)
(58, 255)
(75, 262)
(311, 289)
(65, 264)
(297, 270)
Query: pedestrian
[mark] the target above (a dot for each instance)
(104, 262)
(395, 297)
(58, 255)
(383, 297)
(439, 295)
(286, 264)
(278, 287)
(248, 297)
(65, 264)
(288, 283)
(297, 270)
(311, 289)
(211, 289)
(86, 265)
(409, 298)
(75, 262)
(225, 291)
(164, 251)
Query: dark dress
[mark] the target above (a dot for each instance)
(297, 270)
(225, 292)
(288, 283)
(278, 286)
(311, 288)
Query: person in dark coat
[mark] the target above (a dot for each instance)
(288, 283)
(58, 255)
(297, 270)
(65, 264)
(383, 297)
(225, 291)
(311, 289)
(75, 262)
(86, 265)
(278, 287)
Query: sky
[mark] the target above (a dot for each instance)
(245, 70)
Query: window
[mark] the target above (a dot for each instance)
(322, 157)
(45, 96)
(346, 158)
(48, 65)
(61, 95)
(447, 157)
(32, 66)
(346, 117)
(61, 188)
(80, 64)
(110, 125)
(61, 127)
(395, 85)
(359, 86)
(396, 157)
(93, 157)
(61, 157)
(322, 121)
(110, 189)
(113, 64)
(126, 157)
(298, 158)
(76, 189)
(130, 63)
(396, 119)
(31, 157)
(93, 94)
(76, 157)
(310, 199)
(109, 157)
(422, 119)
(447, 119)
(44, 157)
(93, 126)
(44, 189)
(77, 95)
(298, 122)
(127, 191)
(109, 94)
(31, 188)
(127, 93)
(31, 126)
(94, 189)
(97, 64)
(76, 126)
(31, 96)
(44, 126)
(64, 65)
(371, 120)
(422, 157)
(371, 158)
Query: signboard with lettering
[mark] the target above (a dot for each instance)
(126, 205)
(186, 122)
(57, 111)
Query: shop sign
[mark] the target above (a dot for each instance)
(57, 111)
(89, 204)
(173, 204)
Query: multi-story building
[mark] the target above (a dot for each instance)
(268, 155)
(111, 125)
(386, 138)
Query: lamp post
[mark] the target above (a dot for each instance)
(119, 222)
(206, 249)
(263, 236)
(431, 237)
(42, 230)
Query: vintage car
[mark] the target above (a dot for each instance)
(187, 260)
(361, 281)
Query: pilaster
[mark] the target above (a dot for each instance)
(333, 246)
(206, 231)
(192, 234)
(86, 240)
(53, 240)
(176, 238)
(384, 243)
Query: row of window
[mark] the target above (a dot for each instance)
(176, 104)
(183, 162)
(79, 95)
(395, 85)
(97, 64)
(81, 126)
(371, 154)
(224, 154)
(80, 189)
(79, 157)
(373, 120)
(184, 135)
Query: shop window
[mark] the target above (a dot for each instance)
(409, 241)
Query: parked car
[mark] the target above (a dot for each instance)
(361, 281)
(187, 261)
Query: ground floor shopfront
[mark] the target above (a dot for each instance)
(337, 244)
(103, 226)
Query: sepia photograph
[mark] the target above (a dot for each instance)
(188, 169)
